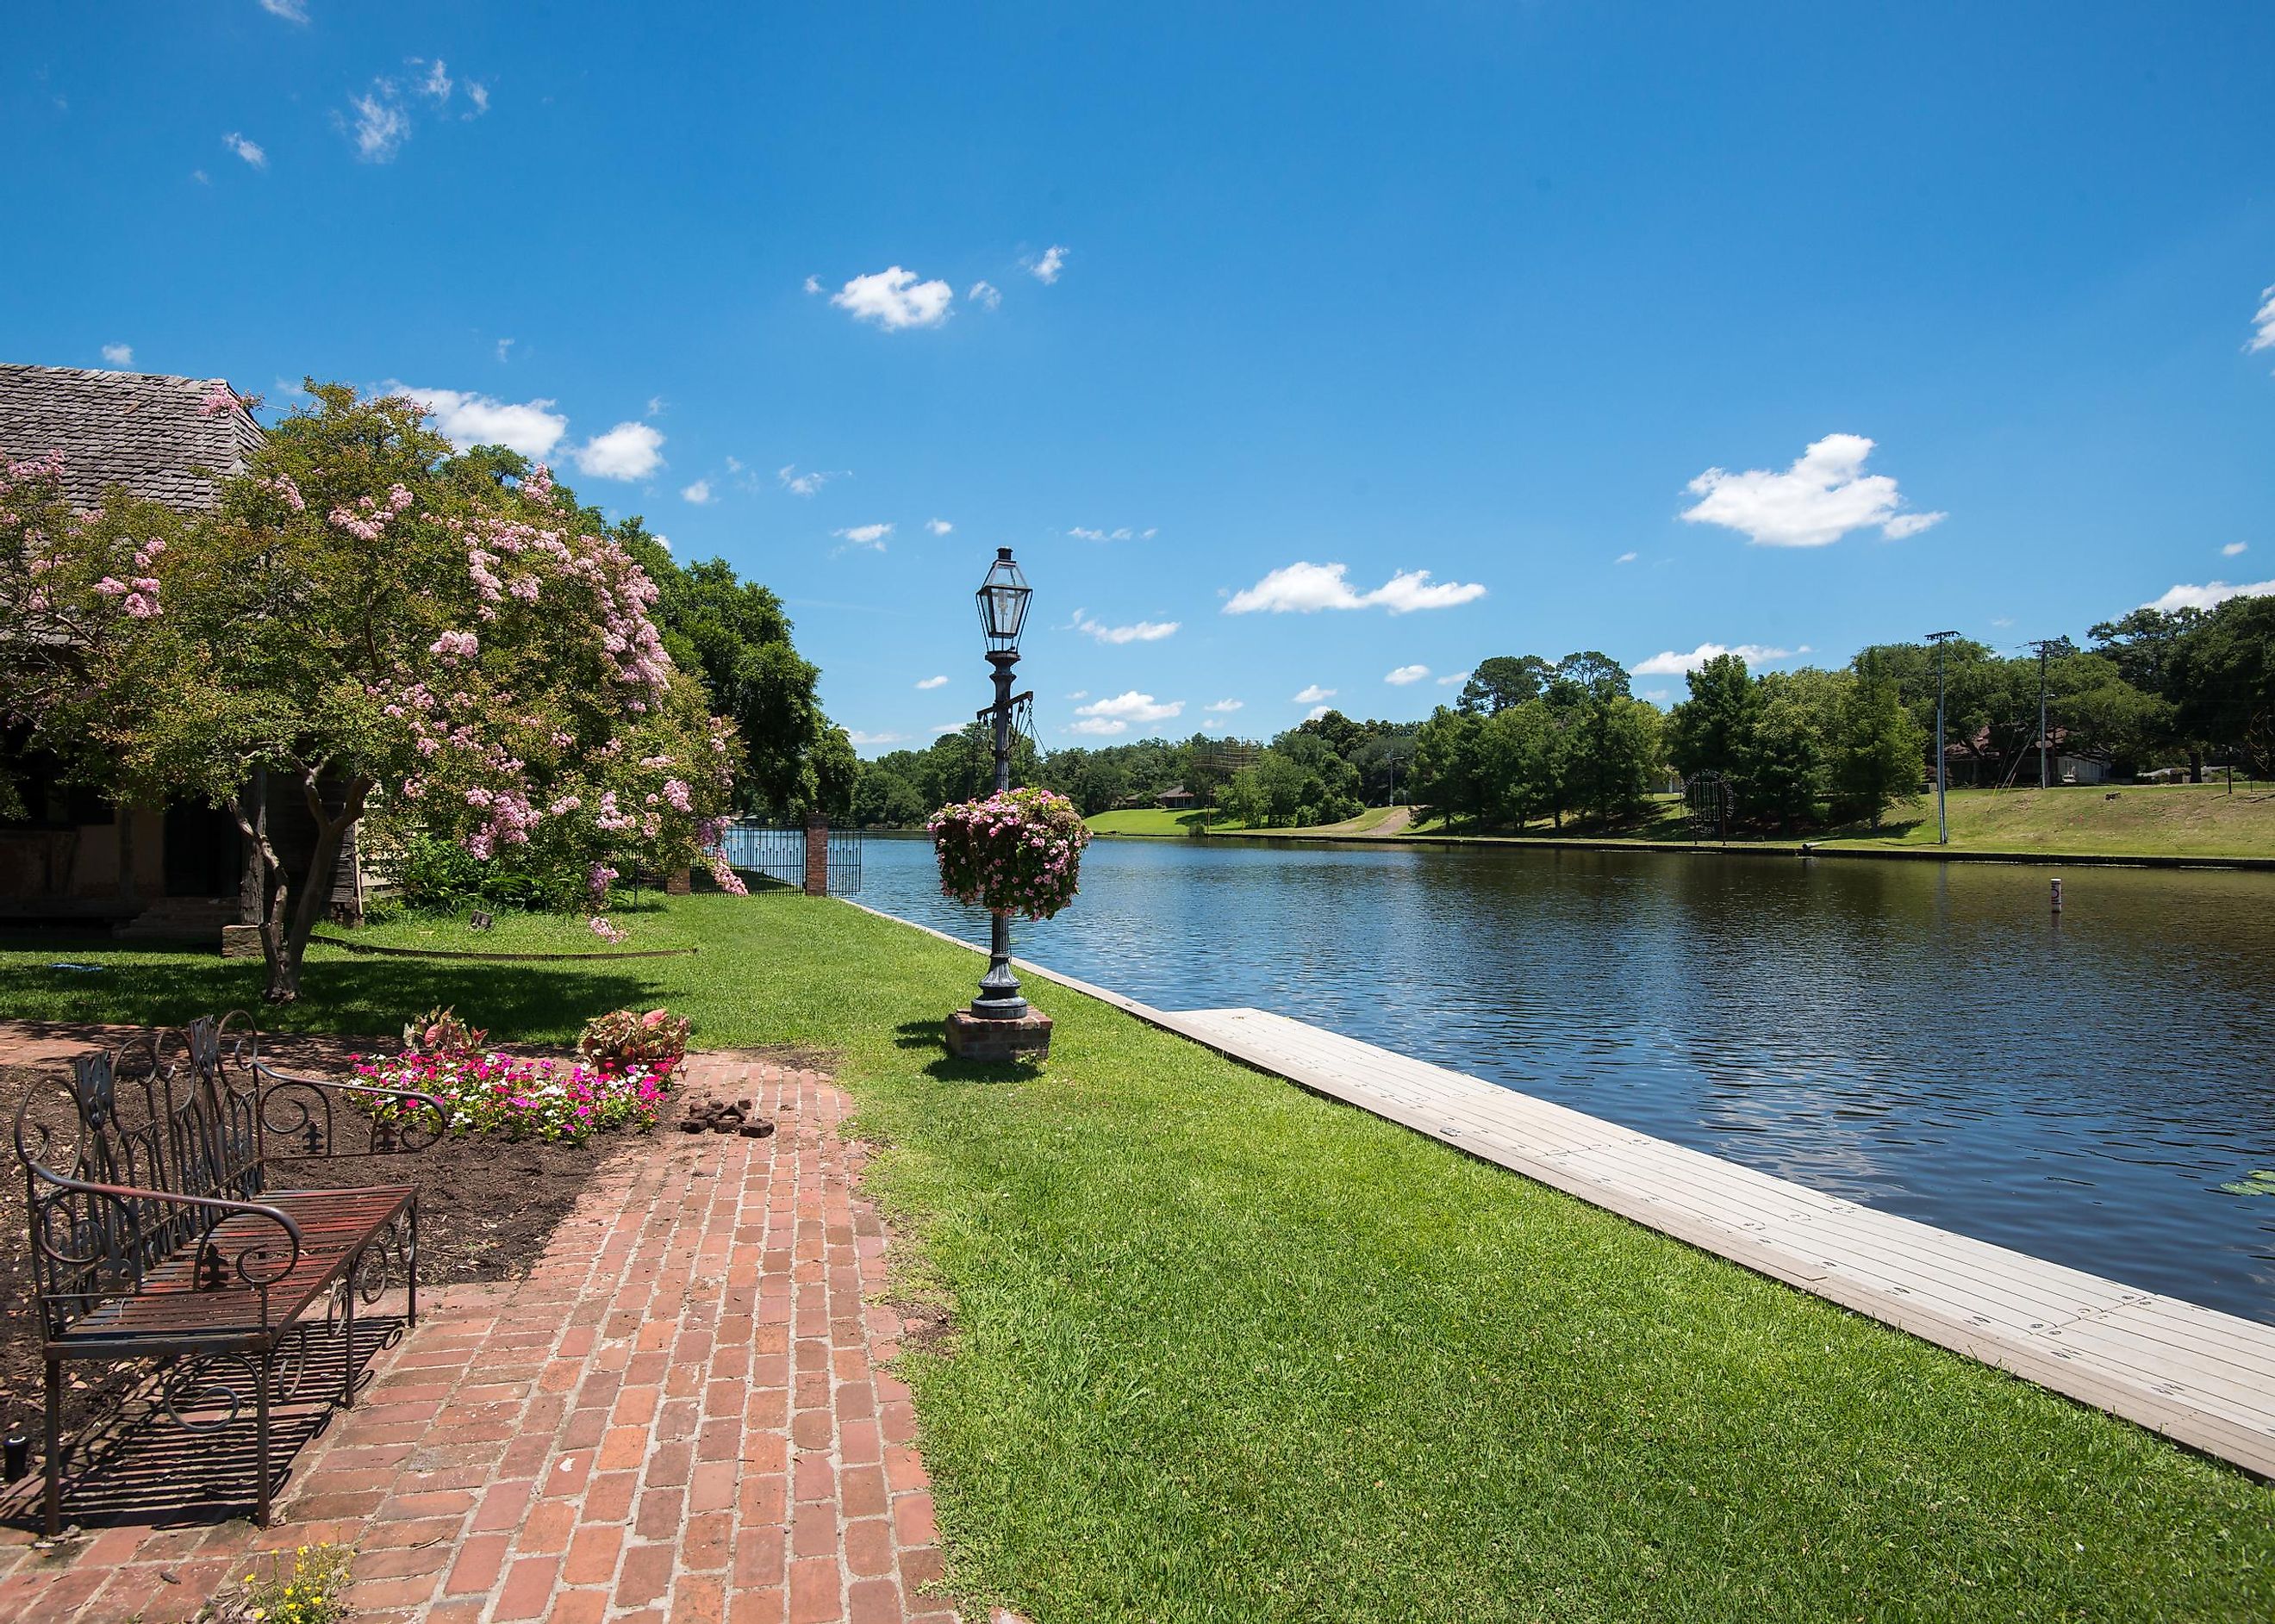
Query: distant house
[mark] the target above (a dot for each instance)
(1972, 764)
(1176, 797)
(74, 856)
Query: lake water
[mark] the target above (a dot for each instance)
(1922, 1038)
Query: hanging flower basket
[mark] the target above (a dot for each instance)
(1018, 851)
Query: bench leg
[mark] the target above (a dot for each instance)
(261, 1361)
(53, 1502)
(347, 1336)
(410, 1264)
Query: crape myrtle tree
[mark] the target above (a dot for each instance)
(389, 630)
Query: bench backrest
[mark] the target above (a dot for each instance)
(177, 1112)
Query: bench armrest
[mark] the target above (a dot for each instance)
(260, 1266)
(301, 1111)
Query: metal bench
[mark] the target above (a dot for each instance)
(156, 1231)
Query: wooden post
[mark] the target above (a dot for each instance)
(817, 855)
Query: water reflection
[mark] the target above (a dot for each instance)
(1923, 1038)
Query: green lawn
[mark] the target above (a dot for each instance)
(1146, 821)
(2170, 820)
(1226, 1352)
(1154, 820)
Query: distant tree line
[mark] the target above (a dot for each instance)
(1532, 741)
(1528, 740)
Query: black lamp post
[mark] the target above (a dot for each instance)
(1002, 599)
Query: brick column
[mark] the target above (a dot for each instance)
(817, 855)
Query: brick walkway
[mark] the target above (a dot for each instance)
(678, 1414)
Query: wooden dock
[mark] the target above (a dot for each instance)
(2197, 1376)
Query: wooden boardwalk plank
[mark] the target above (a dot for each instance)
(2201, 1377)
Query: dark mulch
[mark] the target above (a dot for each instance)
(486, 1210)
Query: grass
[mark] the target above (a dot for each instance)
(1146, 821)
(1228, 1352)
(1160, 821)
(2144, 820)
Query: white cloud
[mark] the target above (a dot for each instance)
(1624, 558)
(1123, 533)
(250, 151)
(1668, 663)
(1141, 631)
(986, 295)
(1105, 726)
(893, 299)
(1079, 693)
(531, 426)
(1225, 707)
(2263, 323)
(2231, 550)
(872, 536)
(290, 11)
(948, 727)
(201, 178)
(812, 284)
(1315, 712)
(1453, 679)
(2209, 595)
(631, 450)
(933, 682)
(698, 493)
(1305, 588)
(1406, 674)
(436, 84)
(801, 484)
(381, 126)
(1313, 693)
(503, 346)
(2003, 620)
(479, 94)
(1822, 497)
(286, 389)
(119, 355)
(859, 737)
(1046, 270)
(1125, 708)
(655, 406)
(938, 526)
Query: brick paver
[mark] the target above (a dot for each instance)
(680, 1413)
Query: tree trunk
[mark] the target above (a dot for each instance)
(284, 942)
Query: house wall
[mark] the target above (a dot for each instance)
(74, 870)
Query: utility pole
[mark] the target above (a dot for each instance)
(2044, 645)
(1942, 818)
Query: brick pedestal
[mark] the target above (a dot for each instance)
(971, 1038)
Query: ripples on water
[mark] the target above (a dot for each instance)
(1924, 1038)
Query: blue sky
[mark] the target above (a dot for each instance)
(1483, 291)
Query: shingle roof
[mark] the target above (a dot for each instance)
(144, 430)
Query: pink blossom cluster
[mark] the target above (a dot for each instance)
(369, 517)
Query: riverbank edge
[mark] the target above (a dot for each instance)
(2164, 1411)
(1759, 849)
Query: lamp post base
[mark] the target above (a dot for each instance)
(976, 1037)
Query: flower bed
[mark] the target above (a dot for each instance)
(1018, 852)
(517, 1099)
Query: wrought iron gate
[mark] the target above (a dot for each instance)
(778, 852)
